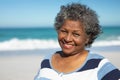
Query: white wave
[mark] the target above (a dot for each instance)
(106, 43)
(32, 44)
(27, 44)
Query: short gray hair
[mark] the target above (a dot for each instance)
(84, 14)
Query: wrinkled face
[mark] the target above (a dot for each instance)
(72, 37)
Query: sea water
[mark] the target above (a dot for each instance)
(46, 38)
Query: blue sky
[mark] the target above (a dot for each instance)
(30, 13)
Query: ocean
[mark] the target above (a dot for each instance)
(46, 38)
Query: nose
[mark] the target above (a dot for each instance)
(68, 37)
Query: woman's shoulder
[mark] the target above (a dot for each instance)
(95, 56)
(94, 60)
(105, 67)
(46, 62)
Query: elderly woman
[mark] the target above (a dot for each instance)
(77, 27)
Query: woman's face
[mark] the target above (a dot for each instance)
(72, 37)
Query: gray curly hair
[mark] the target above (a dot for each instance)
(84, 14)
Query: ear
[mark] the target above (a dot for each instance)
(87, 40)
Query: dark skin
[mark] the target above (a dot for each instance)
(72, 39)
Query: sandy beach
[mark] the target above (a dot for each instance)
(25, 67)
(19, 67)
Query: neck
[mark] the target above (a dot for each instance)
(81, 54)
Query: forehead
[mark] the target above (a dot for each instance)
(72, 24)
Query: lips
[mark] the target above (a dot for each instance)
(68, 46)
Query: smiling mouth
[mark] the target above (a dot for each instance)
(66, 45)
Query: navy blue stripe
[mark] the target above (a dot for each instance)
(45, 64)
(113, 75)
(90, 64)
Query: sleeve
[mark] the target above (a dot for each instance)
(108, 72)
(112, 75)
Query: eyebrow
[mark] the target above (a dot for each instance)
(77, 30)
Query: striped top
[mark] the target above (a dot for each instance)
(95, 67)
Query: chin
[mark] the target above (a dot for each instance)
(68, 52)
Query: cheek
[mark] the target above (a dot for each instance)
(80, 41)
(60, 36)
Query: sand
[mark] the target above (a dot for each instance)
(25, 67)
(19, 67)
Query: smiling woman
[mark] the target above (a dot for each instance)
(77, 27)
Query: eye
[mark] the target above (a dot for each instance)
(63, 31)
(76, 34)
